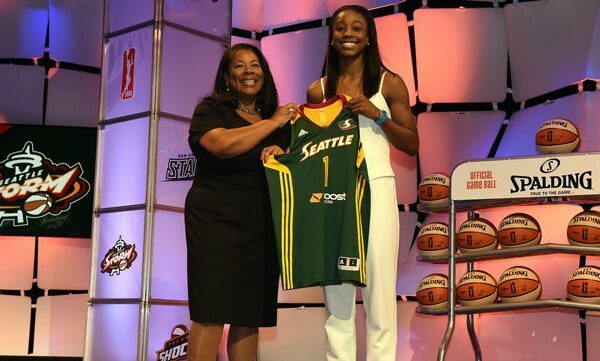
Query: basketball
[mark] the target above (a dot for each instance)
(519, 284)
(584, 229)
(434, 190)
(557, 135)
(519, 230)
(432, 292)
(475, 235)
(584, 285)
(37, 204)
(476, 288)
(432, 239)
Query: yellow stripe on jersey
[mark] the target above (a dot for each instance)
(360, 156)
(361, 184)
(287, 219)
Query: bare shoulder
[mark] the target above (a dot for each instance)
(394, 87)
(314, 94)
(393, 80)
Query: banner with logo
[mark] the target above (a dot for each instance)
(176, 165)
(46, 180)
(545, 176)
(128, 74)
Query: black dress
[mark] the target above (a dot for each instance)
(231, 250)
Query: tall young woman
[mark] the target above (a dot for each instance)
(380, 98)
(231, 250)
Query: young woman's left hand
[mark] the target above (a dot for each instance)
(362, 106)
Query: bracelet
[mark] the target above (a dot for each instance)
(383, 117)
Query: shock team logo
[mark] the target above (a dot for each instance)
(175, 348)
(33, 186)
(119, 258)
(181, 168)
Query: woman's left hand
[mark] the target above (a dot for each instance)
(362, 106)
(268, 151)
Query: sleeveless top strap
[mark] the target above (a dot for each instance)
(323, 90)
(381, 81)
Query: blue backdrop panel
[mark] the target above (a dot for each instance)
(26, 87)
(73, 98)
(206, 16)
(123, 168)
(295, 67)
(474, 53)
(187, 76)
(122, 14)
(23, 28)
(76, 31)
(169, 267)
(114, 331)
(550, 52)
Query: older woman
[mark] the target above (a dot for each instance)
(232, 260)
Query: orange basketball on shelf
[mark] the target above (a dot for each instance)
(557, 135)
(584, 229)
(519, 230)
(519, 284)
(432, 292)
(434, 190)
(476, 288)
(584, 285)
(475, 235)
(432, 239)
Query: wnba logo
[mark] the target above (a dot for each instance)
(128, 73)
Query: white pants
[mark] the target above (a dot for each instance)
(379, 296)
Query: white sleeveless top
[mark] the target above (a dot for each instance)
(375, 143)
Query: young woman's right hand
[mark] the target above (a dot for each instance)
(285, 113)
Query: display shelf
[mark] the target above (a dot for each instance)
(540, 249)
(490, 183)
(495, 203)
(517, 306)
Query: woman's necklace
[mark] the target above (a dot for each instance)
(356, 87)
(245, 109)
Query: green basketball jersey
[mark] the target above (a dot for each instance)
(320, 199)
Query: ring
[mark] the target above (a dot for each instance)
(290, 109)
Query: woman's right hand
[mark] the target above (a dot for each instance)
(284, 114)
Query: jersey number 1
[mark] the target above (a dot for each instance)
(326, 166)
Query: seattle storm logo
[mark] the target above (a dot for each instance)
(119, 258)
(33, 186)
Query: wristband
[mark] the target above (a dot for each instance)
(383, 117)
